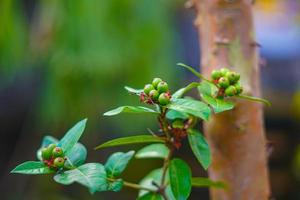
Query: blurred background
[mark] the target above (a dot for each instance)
(62, 61)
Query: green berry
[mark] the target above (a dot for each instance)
(51, 147)
(216, 74)
(233, 77)
(148, 88)
(178, 124)
(223, 82)
(164, 99)
(231, 91)
(59, 162)
(57, 152)
(162, 87)
(239, 88)
(154, 95)
(156, 81)
(46, 153)
(224, 71)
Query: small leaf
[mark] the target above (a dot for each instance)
(76, 156)
(117, 163)
(206, 182)
(208, 88)
(155, 176)
(191, 69)
(72, 137)
(257, 99)
(91, 175)
(208, 92)
(192, 107)
(116, 185)
(32, 167)
(153, 151)
(199, 147)
(173, 114)
(134, 91)
(151, 196)
(181, 91)
(139, 139)
(130, 109)
(219, 105)
(180, 179)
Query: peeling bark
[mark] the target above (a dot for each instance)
(236, 137)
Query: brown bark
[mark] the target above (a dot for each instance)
(236, 137)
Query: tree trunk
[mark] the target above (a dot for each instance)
(236, 137)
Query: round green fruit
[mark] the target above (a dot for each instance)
(224, 71)
(216, 74)
(164, 99)
(156, 81)
(233, 77)
(223, 82)
(162, 87)
(59, 162)
(148, 88)
(178, 124)
(239, 88)
(154, 95)
(231, 91)
(57, 152)
(51, 147)
(46, 153)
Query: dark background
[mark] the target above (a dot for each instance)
(62, 61)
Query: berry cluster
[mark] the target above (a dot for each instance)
(156, 92)
(53, 156)
(227, 81)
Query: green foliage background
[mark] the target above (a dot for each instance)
(87, 51)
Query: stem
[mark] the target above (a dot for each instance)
(133, 185)
(138, 187)
(257, 99)
(166, 165)
(165, 128)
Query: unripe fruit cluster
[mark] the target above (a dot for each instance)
(228, 82)
(53, 156)
(156, 92)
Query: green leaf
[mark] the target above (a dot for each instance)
(155, 176)
(32, 167)
(173, 114)
(208, 92)
(153, 151)
(72, 137)
(257, 99)
(181, 91)
(151, 196)
(134, 91)
(219, 105)
(117, 163)
(199, 147)
(208, 88)
(45, 142)
(191, 69)
(139, 139)
(130, 109)
(192, 107)
(91, 175)
(206, 182)
(116, 185)
(76, 156)
(180, 179)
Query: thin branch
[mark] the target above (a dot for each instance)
(134, 185)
